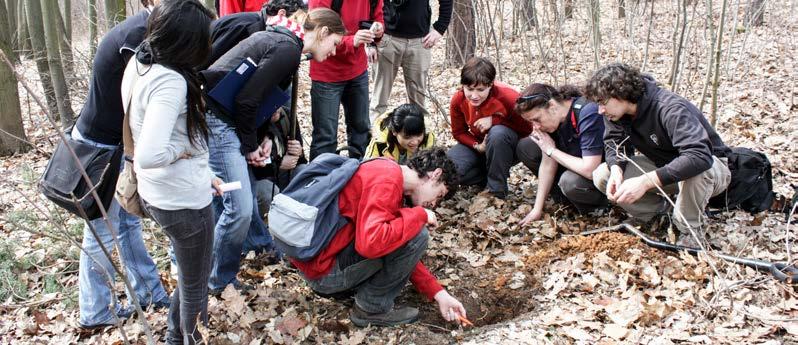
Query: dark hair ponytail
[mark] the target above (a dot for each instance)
(179, 38)
(538, 95)
(407, 119)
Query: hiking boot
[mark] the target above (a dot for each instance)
(395, 317)
(501, 195)
(687, 240)
(238, 285)
(658, 225)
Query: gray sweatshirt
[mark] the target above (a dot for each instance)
(670, 131)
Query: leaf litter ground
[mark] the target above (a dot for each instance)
(539, 284)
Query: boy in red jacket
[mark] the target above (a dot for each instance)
(379, 250)
(486, 127)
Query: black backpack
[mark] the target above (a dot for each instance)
(751, 186)
(337, 4)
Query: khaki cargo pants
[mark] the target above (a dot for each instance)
(395, 52)
(692, 198)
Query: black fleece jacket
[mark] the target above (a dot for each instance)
(231, 29)
(412, 18)
(670, 131)
(276, 52)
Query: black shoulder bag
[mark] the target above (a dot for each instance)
(62, 180)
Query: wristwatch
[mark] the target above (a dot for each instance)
(549, 151)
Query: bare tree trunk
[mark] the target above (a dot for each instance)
(678, 44)
(496, 40)
(33, 11)
(713, 117)
(736, 11)
(23, 37)
(595, 29)
(568, 9)
(52, 38)
(530, 15)
(64, 35)
(11, 17)
(462, 40)
(114, 13)
(621, 8)
(648, 36)
(755, 13)
(710, 56)
(92, 5)
(12, 134)
(66, 14)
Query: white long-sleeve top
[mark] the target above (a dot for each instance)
(158, 124)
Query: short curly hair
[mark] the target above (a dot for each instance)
(426, 161)
(616, 80)
(271, 7)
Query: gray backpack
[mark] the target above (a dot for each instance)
(304, 218)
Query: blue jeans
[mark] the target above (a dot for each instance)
(325, 101)
(235, 211)
(377, 281)
(95, 272)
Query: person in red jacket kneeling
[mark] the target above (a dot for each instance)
(486, 127)
(380, 249)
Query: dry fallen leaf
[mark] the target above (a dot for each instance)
(233, 299)
(291, 325)
(615, 331)
(578, 334)
(354, 338)
(624, 312)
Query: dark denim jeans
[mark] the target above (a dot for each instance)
(326, 100)
(493, 166)
(377, 281)
(191, 234)
(573, 188)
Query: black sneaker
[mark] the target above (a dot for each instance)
(501, 195)
(397, 316)
(238, 285)
(123, 313)
(158, 305)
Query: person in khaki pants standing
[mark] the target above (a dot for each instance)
(680, 152)
(407, 43)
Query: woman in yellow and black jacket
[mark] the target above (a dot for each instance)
(398, 134)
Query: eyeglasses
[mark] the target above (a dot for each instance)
(531, 97)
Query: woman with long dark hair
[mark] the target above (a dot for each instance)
(400, 133)
(565, 146)
(162, 96)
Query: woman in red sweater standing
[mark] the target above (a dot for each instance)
(486, 127)
(342, 79)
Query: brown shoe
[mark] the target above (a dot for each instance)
(396, 316)
(687, 240)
